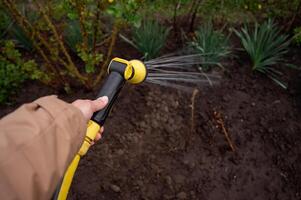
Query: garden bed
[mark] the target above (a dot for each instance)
(151, 151)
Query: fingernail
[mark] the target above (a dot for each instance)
(104, 99)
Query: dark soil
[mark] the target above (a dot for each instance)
(151, 151)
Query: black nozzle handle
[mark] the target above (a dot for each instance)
(111, 89)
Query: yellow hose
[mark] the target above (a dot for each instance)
(68, 177)
(92, 130)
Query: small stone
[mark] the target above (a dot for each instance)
(253, 104)
(120, 152)
(182, 195)
(270, 130)
(168, 180)
(143, 124)
(140, 183)
(175, 104)
(155, 124)
(115, 188)
(189, 163)
(179, 179)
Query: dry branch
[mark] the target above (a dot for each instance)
(220, 122)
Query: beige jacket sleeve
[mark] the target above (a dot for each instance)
(37, 143)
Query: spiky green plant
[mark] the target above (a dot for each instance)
(74, 38)
(5, 22)
(266, 46)
(18, 34)
(149, 38)
(72, 35)
(212, 45)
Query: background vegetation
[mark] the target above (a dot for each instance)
(69, 43)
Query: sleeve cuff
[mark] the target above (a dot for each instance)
(56, 107)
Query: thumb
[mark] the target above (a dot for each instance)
(99, 103)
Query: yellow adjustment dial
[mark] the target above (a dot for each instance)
(140, 72)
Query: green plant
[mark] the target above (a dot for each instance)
(149, 38)
(84, 37)
(127, 11)
(297, 36)
(74, 40)
(14, 70)
(72, 35)
(5, 22)
(17, 33)
(266, 46)
(212, 45)
(12, 31)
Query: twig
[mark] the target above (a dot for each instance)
(195, 92)
(81, 11)
(127, 40)
(192, 105)
(105, 40)
(219, 120)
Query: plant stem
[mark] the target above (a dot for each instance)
(110, 50)
(70, 67)
(194, 13)
(81, 13)
(96, 25)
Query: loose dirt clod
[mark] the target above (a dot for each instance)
(115, 188)
(182, 195)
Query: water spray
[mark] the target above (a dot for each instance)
(179, 71)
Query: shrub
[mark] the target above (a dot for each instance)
(149, 38)
(14, 70)
(74, 40)
(266, 47)
(89, 38)
(212, 45)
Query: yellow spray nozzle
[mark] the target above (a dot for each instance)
(133, 71)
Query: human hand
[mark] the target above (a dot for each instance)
(88, 107)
